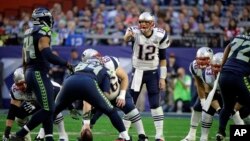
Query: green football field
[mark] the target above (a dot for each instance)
(175, 128)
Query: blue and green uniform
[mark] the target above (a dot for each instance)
(233, 79)
(88, 83)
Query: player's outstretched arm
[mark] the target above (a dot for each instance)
(200, 89)
(122, 75)
(226, 53)
(128, 35)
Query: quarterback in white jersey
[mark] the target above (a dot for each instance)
(149, 52)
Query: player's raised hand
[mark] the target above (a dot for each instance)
(128, 35)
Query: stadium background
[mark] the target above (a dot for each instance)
(100, 24)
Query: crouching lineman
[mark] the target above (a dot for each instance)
(90, 83)
(118, 94)
(23, 104)
(209, 77)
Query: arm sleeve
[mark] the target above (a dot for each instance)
(162, 54)
(46, 52)
(105, 85)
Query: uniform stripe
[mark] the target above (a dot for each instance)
(247, 83)
(114, 62)
(42, 90)
(103, 96)
(191, 69)
(164, 37)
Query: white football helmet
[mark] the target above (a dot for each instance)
(146, 22)
(216, 62)
(18, 75)
(89, 53)
(203, 57)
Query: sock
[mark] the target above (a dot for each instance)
(195, 119)
(23, 132)
(41, 133)
(127, 123)
(218, 110)
(135, 118)
(206, 123)
(158, 117)
(60, 126)
(236, 118)
(49, 137)
(124, 135)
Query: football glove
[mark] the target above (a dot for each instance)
(70, 68)
(28, 107)
(75, 114)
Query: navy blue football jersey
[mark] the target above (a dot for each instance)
(32, 56)
(239, 56)
(97, 72)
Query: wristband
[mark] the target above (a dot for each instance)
(163, 72)
(86, 122)
(122, 94)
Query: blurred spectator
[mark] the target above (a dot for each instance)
(201, 36)
(74, 57)
(172, 67)
(182, 91)
(119, 31)
(244, 16)
(57, 72)
(231, 31)
(100, 30)
(73, 38)
(187, 36)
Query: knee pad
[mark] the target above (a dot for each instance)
(22, 122)
(211, 111)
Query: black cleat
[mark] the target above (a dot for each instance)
(142, 137)
(14, 137)
(219, 137)
(37, 138)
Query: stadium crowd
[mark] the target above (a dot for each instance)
(191, 23)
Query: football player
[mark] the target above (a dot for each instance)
(23, 104)
(196, 68)
(90, 83)
(118, 94)
(209, 77)
(149, 52)
(37, 55)
(233, 80)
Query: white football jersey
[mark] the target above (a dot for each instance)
(195, 71)
(17, 94)
(210, 78)
(146, 50)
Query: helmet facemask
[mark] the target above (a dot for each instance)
(146, 26)
(202, 62)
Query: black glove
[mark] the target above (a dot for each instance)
(70, 68)
(28, 107)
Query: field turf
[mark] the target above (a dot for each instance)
(175, 128)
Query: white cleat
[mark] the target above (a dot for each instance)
(64, 138)
(189, 138)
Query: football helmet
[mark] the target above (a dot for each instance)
(90, 53)
(146, 22)
(216, 62)
(203, 57)
(42, 16)
(19, 79)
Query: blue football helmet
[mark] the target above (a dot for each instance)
(42, 16)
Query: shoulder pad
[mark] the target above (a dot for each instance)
(193, 68)
(45, 30)
(160, 31)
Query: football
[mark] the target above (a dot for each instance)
(86, 135)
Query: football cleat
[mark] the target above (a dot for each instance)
(142, 137)
(189, 138)
(38, 138)
(14, 137)
(219, 137)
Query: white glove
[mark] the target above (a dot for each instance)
(202, 102)
(28, 107)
